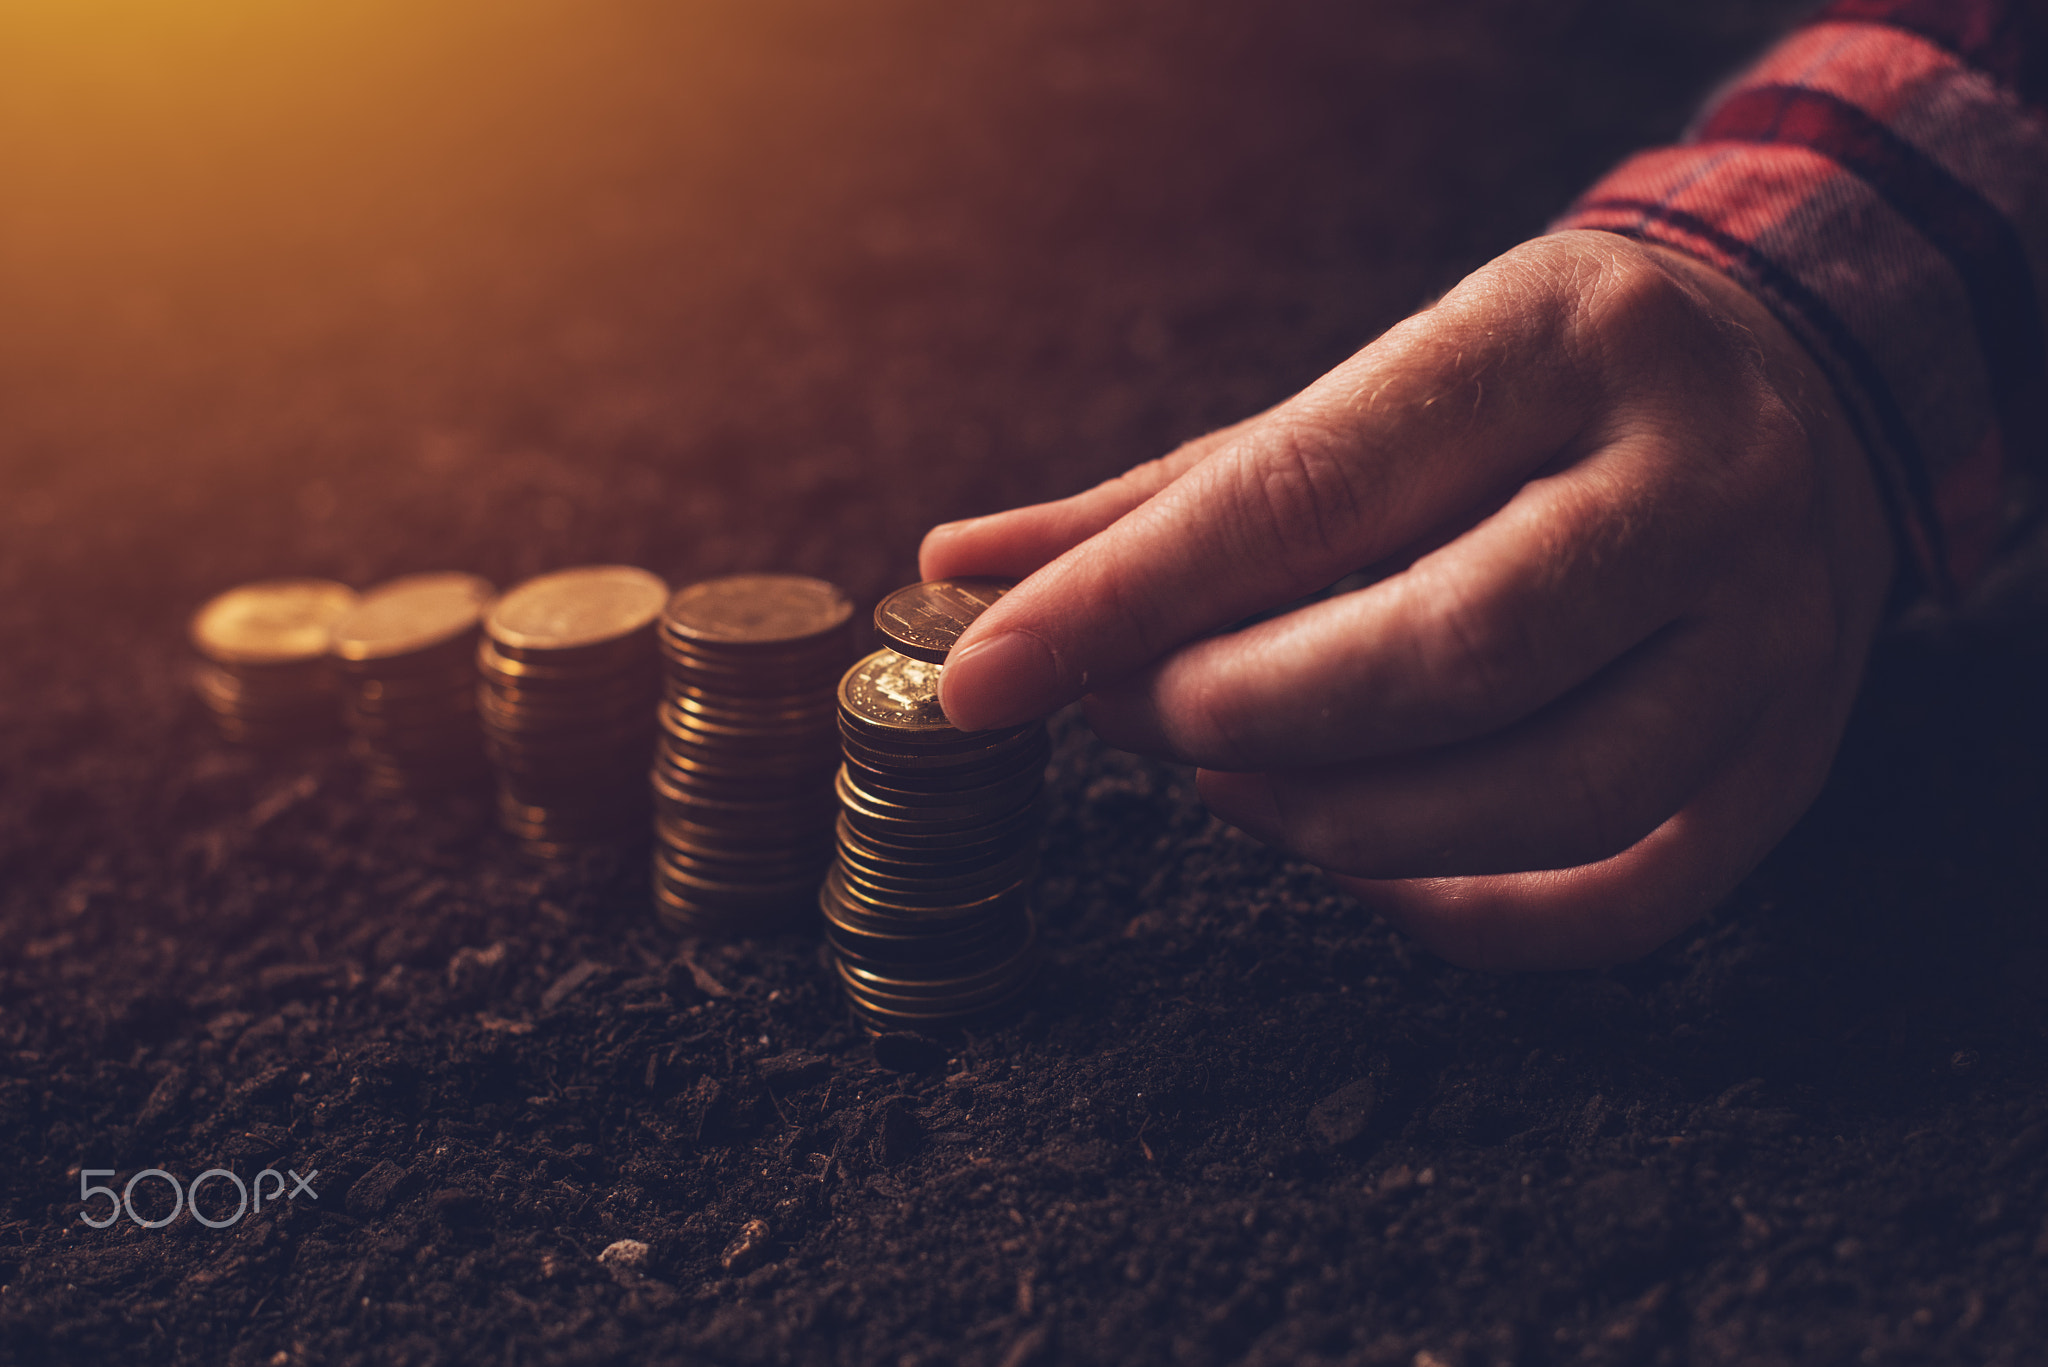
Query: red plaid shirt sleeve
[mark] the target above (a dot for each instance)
(1880, 180)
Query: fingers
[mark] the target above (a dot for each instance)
(1012, 544)
(1443, 413)
(1622, 907)
(1579, 782)
(1576, 569)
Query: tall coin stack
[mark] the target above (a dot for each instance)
(570, 680)
(928, 903)
(408, 664)
(266, 676)
(743, 774)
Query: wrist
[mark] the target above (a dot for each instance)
(1862, 541)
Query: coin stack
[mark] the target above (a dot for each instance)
(928, 903)
(571, 677)
(266, 676)
(408, 665)
(743, 774)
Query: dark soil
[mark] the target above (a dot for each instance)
(370, 288)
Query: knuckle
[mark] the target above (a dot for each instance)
(1475, 659)
(1207, 713)
(1634, 292)
(1298, 499)
(1119, 601)
(1137, 477)
(1632, 315)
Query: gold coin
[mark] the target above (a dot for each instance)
(411, 614)
(706, 886)
(974, 790)
(422, 703)
(273, 622)
(286, 688)
(858, 849)
(744, 842)
(883, 873)
(745, 864)
(806, 730)
(562, 669)
(966, 818)
(715, 783)
(742, 777)
(689, 915)
(850, 916)
(889, 694)
(816, 708)
(924, 620)
(991, 977)
(969, 974)
(940, 1001)
(969, 750)
(888, 833)
(757, 611)
(875, 947)
(928, 894)
(804, 660)
(576, 608)
(688, 803)
(988, 903)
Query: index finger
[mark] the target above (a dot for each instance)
(1433, 420)
(1013, 543)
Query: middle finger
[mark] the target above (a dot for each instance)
(1568, 575)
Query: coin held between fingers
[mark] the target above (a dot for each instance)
(924, 620)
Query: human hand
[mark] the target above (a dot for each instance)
(1630, 558)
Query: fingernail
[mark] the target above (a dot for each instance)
(1004, 681)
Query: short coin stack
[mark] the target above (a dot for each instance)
(743, 775)
(570, 679)
(266, 677)
(928, 904)
(408, 663)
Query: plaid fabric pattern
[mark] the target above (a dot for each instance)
(1880, 180)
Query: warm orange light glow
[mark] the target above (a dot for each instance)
(160, 146)
(222, 205)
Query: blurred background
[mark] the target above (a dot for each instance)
(355, 288)
(361, 288)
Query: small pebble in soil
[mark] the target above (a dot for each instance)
(629, 1253)
(747, 1249)
(1343, 1115)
